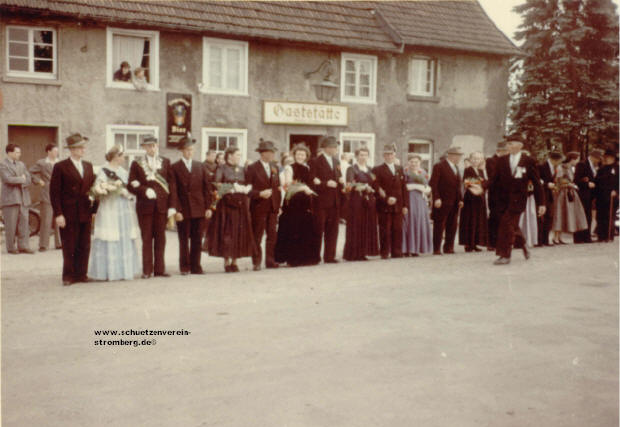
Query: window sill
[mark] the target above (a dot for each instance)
(422, 98)
(131, 87)
(31, 80)
(359, 101)
(211, 92)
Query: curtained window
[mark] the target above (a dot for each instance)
(225, 67)
(422, 76)
(137, 48)
(359, 76)
(31, 52)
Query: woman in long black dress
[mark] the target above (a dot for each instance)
(298, 240)
(361, 216)
(473, 223)
(230, 234)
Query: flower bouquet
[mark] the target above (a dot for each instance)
(221, 189)
(296, 187)
(359, 186)
(474, 185)
(103, 189)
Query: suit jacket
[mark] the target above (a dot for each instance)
(445, 185)
(583, 176)
(255, 175)
(193, 190)
(139, 175)
(547, 175)
(15, 181)
(606, 182)
(394, 185)
(41, 171)
(491, 167)
(512, 189)
(319, 168)
(69, 191)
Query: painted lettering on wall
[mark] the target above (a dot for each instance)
(305, 114)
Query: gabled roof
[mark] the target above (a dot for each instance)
(459, 25)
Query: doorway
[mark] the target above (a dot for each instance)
(311, 141)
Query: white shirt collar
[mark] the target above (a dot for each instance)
(78, 165)
(188, 163)
(329, 159)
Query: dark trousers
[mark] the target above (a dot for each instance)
(75, 237)
(584, 236)
(264, 222)
(493, 224)
(327, 224)
(509, 234)
(390, 234)
(444, 219)
(153, 230)
(190, 234)
(544, 226)
(604, 228)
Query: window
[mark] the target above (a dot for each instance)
(422, 76)
(129, 136)
(349, 142)
(139, 49)
(219, 139)
(424, 148)
(31, 52)
(224, 67)
(358, 77)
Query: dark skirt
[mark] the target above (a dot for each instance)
(473, 222)
(298, 240)
(230, 231)
(361, 234)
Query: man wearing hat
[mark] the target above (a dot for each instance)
(151, 180)
(71, 181)
(585, 172)
(391, 204)
(606, 194)
(445, 184)
(491, 167)
(327, 183)
(265, 200)
(511, 180)
(548, 172)
(192, 201)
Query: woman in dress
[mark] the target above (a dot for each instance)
(361, 215)
(114, 253)
(298, 241)
(528, 221)
(417, 233)
(568, 213)
(473, 221)
(230, 234)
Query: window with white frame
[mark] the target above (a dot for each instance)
(423, 148)
(130, 137)
(139, 49)
(219, 139)
(422, 76)
(358, 77)
(224, 67)
(350, 142)
(31, 52)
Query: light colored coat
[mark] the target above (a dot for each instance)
(15, 181)
(42, 171)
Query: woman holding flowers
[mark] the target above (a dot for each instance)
(361, 238)
(417, 233)
(114, 253)
(568, 213)
(230, 234)
(298, 239)
(473, 221)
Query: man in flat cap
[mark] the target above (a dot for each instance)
(391, 204)
(71, 181)
(445, 184)
(585, 173)
(513, 174)
(327, 183)
(265, 200)
(491, 167)
(192, 203)
(548, 172)
(151, 180)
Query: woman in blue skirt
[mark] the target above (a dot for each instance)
(417, 233)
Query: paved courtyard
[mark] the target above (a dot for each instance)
(428, 341)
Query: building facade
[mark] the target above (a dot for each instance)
(230, 73)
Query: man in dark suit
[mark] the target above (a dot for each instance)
(41, 173)
(327, 183)
(547, 172)
(447, 200)
(193, 201)
(491, 167)
(585, 173)
(71, 181)
(391, 204)
(265, 202)
(211, 166)
(151, 180)
(606, 196)
(511, 178)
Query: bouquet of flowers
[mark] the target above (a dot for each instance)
(221, 189)
(418, 178)
(474, 185)
(110, 187)
(359, 186)
(295, 187)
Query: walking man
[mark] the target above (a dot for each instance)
(493, 221)
(41, 173)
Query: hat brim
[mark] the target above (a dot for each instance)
(154, 141)
(82, 143)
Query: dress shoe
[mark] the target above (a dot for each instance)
(272, 266)
(201, 271)
(477, 249)
(26, 251)
(145, 276)
(15, 251)
(162, 275)
(331, 261)
(436, 253)
(234, 268)
(502, 261)
(256, 267)
(227, 269)
(469, 249)
(184, 273)
(526, 252)
(362, 258)
(42, 249)
(415, 254)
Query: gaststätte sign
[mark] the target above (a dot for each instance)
(298, 113)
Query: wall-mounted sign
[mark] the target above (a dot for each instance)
(298, 113)
(179, 117)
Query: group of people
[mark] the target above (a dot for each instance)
(138, 77)
(225, 208)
